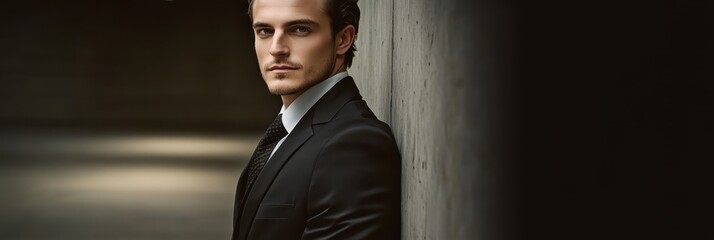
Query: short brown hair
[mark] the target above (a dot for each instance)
(342, 13)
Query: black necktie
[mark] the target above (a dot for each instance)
(275, 132)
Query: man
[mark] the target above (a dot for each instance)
(326, 168)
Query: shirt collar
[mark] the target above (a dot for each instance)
(298, 108)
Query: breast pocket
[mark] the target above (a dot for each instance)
(275, 211)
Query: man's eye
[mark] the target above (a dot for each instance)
(263, 32)
(302, 30)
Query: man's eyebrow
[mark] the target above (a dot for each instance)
(260, 24)
(301, 22)
(290, 23)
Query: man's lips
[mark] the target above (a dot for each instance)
(281, 68)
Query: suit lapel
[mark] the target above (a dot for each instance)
(240, 191)
(321, 112)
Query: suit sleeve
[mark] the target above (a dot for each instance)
(355, 188)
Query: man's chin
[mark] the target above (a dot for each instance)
(280, 76)
(281, 93)
(282, 90)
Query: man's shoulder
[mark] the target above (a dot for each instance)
(355, 121)
(357, 137)
(357, 114)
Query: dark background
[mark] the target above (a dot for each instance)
(612, 106)
(126, 119)
(131, 64)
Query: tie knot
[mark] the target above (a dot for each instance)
(275, 132)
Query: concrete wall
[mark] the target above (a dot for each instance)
(544, 119)
(428, 69)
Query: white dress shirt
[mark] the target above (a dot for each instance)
(298, 108)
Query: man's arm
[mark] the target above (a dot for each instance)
(355, 188)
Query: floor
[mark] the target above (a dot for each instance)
(78, 184)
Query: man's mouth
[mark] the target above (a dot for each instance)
(281, 68)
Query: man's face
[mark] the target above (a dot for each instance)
(294, 44)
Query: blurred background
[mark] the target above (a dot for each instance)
(125, 119)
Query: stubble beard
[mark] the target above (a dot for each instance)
(308, 83)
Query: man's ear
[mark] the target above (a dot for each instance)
(344, 39)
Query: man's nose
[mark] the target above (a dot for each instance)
(278, 47)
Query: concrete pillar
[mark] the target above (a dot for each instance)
(429, 69)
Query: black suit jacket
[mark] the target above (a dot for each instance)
(336, 176)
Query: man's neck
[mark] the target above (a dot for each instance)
(288, 99)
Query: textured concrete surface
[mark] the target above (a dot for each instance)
(372, 65)
(441, 92)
